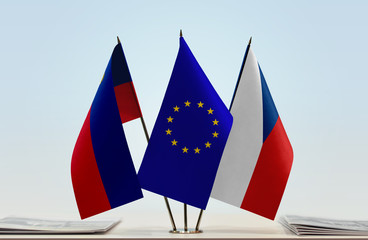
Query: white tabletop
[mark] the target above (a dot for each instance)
(216, 226)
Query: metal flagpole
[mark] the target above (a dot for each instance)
(147, 137)
(232, 100)
(185, 205)
(199, 220)
(241, 72)
(185, 218)
(166, 200)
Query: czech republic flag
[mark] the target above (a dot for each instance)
(102, 169)
(258, 156)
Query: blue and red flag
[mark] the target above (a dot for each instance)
(189, 136)
(258, 156)
(102, 169)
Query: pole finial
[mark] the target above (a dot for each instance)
(181, 33)
(118, 39)
(250, 41)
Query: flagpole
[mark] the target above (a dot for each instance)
(147, 137)
(185, 205)
(199, 220)
(185, 218)
(241, 71)
(166, 200)
(232, 100)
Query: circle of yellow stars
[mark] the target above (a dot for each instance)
(196, 150)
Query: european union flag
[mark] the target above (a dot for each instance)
(189, 136)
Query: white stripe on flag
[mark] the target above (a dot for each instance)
(238, 161)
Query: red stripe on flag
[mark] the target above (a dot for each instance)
(127, 102)
(88, 187)
(270, 175)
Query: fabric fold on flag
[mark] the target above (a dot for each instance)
(258, 156)
(126, 96)
(102, 170)
(189, 136)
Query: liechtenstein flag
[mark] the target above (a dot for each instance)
(189, 136)
(102, 169)
(258, 156)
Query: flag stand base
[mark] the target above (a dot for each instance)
(186, 230)
(182, 231)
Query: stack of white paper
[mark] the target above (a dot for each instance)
(43, 226)
(322, 226)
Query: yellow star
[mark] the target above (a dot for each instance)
(200, 104)
(169, 119)
(196, 150)
(185, 150)
(210, 111)
(215, 134)
(168, 131)
(187, 103)
(208, 144)
(215, 122)
(176, 109)
(174, 142)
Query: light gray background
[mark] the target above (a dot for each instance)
(313, 55)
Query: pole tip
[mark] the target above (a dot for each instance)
(250, 41)
(181, 33)
(118, 39)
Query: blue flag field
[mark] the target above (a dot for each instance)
(189, 136)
